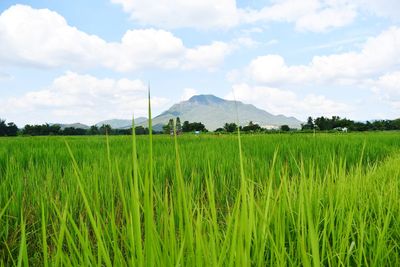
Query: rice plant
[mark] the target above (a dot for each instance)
(257, 200)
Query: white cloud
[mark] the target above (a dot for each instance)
(81, 98)
(312, 15)
(326, 19)
(272, 69)
(249, 42)
(306, 15)
(182, 13)
(378, 55)
(147, 48)
(188, 93)
(40, 37)
(279, 101)
(207, 56)
(375, 67)
(387, 88)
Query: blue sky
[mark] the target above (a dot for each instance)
(86, 61)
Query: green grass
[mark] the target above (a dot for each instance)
(283, 199)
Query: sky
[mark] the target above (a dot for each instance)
(86, 61)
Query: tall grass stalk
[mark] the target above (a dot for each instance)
(249, 200)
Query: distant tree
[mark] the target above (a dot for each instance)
(323, 123)
(186, 127)
(165, 129)
(285, 128)
(219, 130)
(73, 131)
(44, 129)
(121, 131)
(12, 129)
(251, 127)
(94, 130)
(178, 126)
(9, 129)
(169, 127)
(52, 130)
(140, 130)
(309, 125)
(327, 124)
(105, 129)
(230, 127)
(396, 124)
(198, 126)
(3, 128)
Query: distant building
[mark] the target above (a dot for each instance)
(340, 129)
(271, 127)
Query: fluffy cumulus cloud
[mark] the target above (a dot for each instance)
(207, 56)
(281, 101)
(387, 88)
(182, 13)
(306, 15)
(43, 38)
(80, 98)
(379, 55)
(375, 67)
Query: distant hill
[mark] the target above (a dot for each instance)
(121, 124)
(74, 125)
(214, 112)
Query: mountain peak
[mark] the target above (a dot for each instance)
(206, 99)
(214, 112)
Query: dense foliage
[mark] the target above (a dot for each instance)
(193, 126)
(334, 123)
(187, 127)
(327, 124)
(9, 129)
(46, 129)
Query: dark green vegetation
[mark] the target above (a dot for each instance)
(8, 129)
(287, 199)
(328, 124)
(323, 124)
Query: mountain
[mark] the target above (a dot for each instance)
(74, 125)
(121, 124)
(214, 112)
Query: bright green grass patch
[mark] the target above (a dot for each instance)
(297, 200)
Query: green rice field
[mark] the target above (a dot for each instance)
(208, 200)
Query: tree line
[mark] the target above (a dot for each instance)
(186, 127)
(337, 123)
(10, 129)
(322, 123)
(230, 127)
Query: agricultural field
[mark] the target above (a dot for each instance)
(209, 200)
